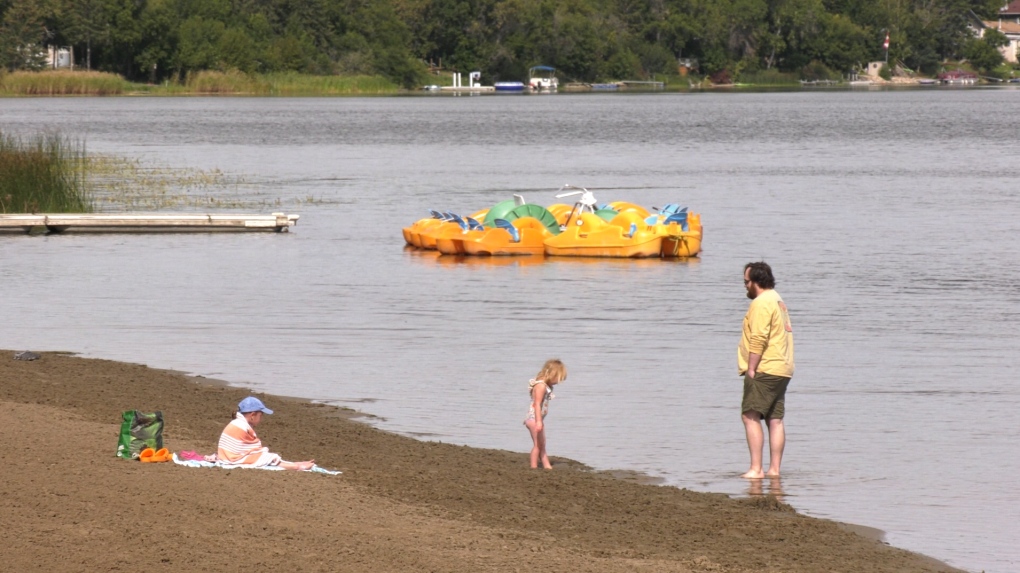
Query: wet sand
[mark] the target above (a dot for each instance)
(67, 504)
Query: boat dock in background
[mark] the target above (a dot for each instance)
(474, 84)
(114, 222)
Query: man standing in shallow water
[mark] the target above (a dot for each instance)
(765, 359)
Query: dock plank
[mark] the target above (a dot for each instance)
(148, 221)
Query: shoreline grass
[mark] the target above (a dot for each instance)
(46, 174)
(61, 83)
(80, 83)
(286, 84)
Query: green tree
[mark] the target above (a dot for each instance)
(984, 52)
(199, 44)
(123, 42)
(842, 44)
(86, 22)
(159, 30)
(23, 33)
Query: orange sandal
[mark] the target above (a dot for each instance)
(163, 455)
(147, 455)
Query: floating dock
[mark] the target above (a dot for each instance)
(112, 222)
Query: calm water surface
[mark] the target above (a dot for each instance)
(890, 219)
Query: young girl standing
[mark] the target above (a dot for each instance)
(540, 388)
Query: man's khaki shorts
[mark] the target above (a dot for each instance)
(765, 394)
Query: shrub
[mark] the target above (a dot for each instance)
(817, 71)
(722, 77)
(772, 77)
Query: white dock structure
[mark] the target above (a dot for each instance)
(474, 84)
(112, 222)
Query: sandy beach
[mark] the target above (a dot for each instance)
(68, 504)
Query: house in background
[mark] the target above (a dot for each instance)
(59, 58)
(1011, 10)
(1009, 24)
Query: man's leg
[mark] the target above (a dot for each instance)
(777, 441)
(755, 442)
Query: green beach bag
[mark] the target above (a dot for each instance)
(138, 431)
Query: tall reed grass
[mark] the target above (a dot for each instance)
(285, 84)
(62, 82)
(46, 174)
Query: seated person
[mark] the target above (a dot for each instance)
(240, 447)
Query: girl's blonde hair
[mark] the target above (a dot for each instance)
(552, 370)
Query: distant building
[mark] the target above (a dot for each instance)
(1011, 10)
(59, 58)
(1010, 29)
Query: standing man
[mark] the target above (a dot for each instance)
(765, 359)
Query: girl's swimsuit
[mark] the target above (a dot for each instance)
(545, 399)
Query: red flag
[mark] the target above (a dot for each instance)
(886, 44)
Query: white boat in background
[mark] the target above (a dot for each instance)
(542, 79)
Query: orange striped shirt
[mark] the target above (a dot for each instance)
(239, 446)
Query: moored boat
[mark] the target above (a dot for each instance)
(615, 230)
(542, 79)
(509, 86)
(626, 236)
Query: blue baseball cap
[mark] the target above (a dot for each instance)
(252, 404)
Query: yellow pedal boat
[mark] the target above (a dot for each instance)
(588, 235)
(424, 233)
(616, 230)
(520, 230)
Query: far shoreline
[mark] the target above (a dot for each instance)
(65, 83)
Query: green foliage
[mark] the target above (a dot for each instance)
(885, 72)
(818, 71)
(585, 40)
(771, 77)
(23, 33)
(43, 175)
(983, 53)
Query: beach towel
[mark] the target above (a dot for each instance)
(204, 464)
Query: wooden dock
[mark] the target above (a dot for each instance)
(112, 222)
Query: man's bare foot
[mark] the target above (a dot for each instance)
(772, 474)
(753, 474)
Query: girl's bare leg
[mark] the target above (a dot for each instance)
(541, 448)
(538, 441)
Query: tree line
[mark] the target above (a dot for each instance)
(585, 40)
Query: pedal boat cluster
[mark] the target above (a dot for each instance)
(617, 230)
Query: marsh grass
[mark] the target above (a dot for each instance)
(233, 82)
(46, 174)
(285, 84)
(121, 184)
(62, 82)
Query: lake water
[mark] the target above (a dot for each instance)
(890, 218)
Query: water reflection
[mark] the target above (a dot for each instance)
(757, 488)
(432, 257)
